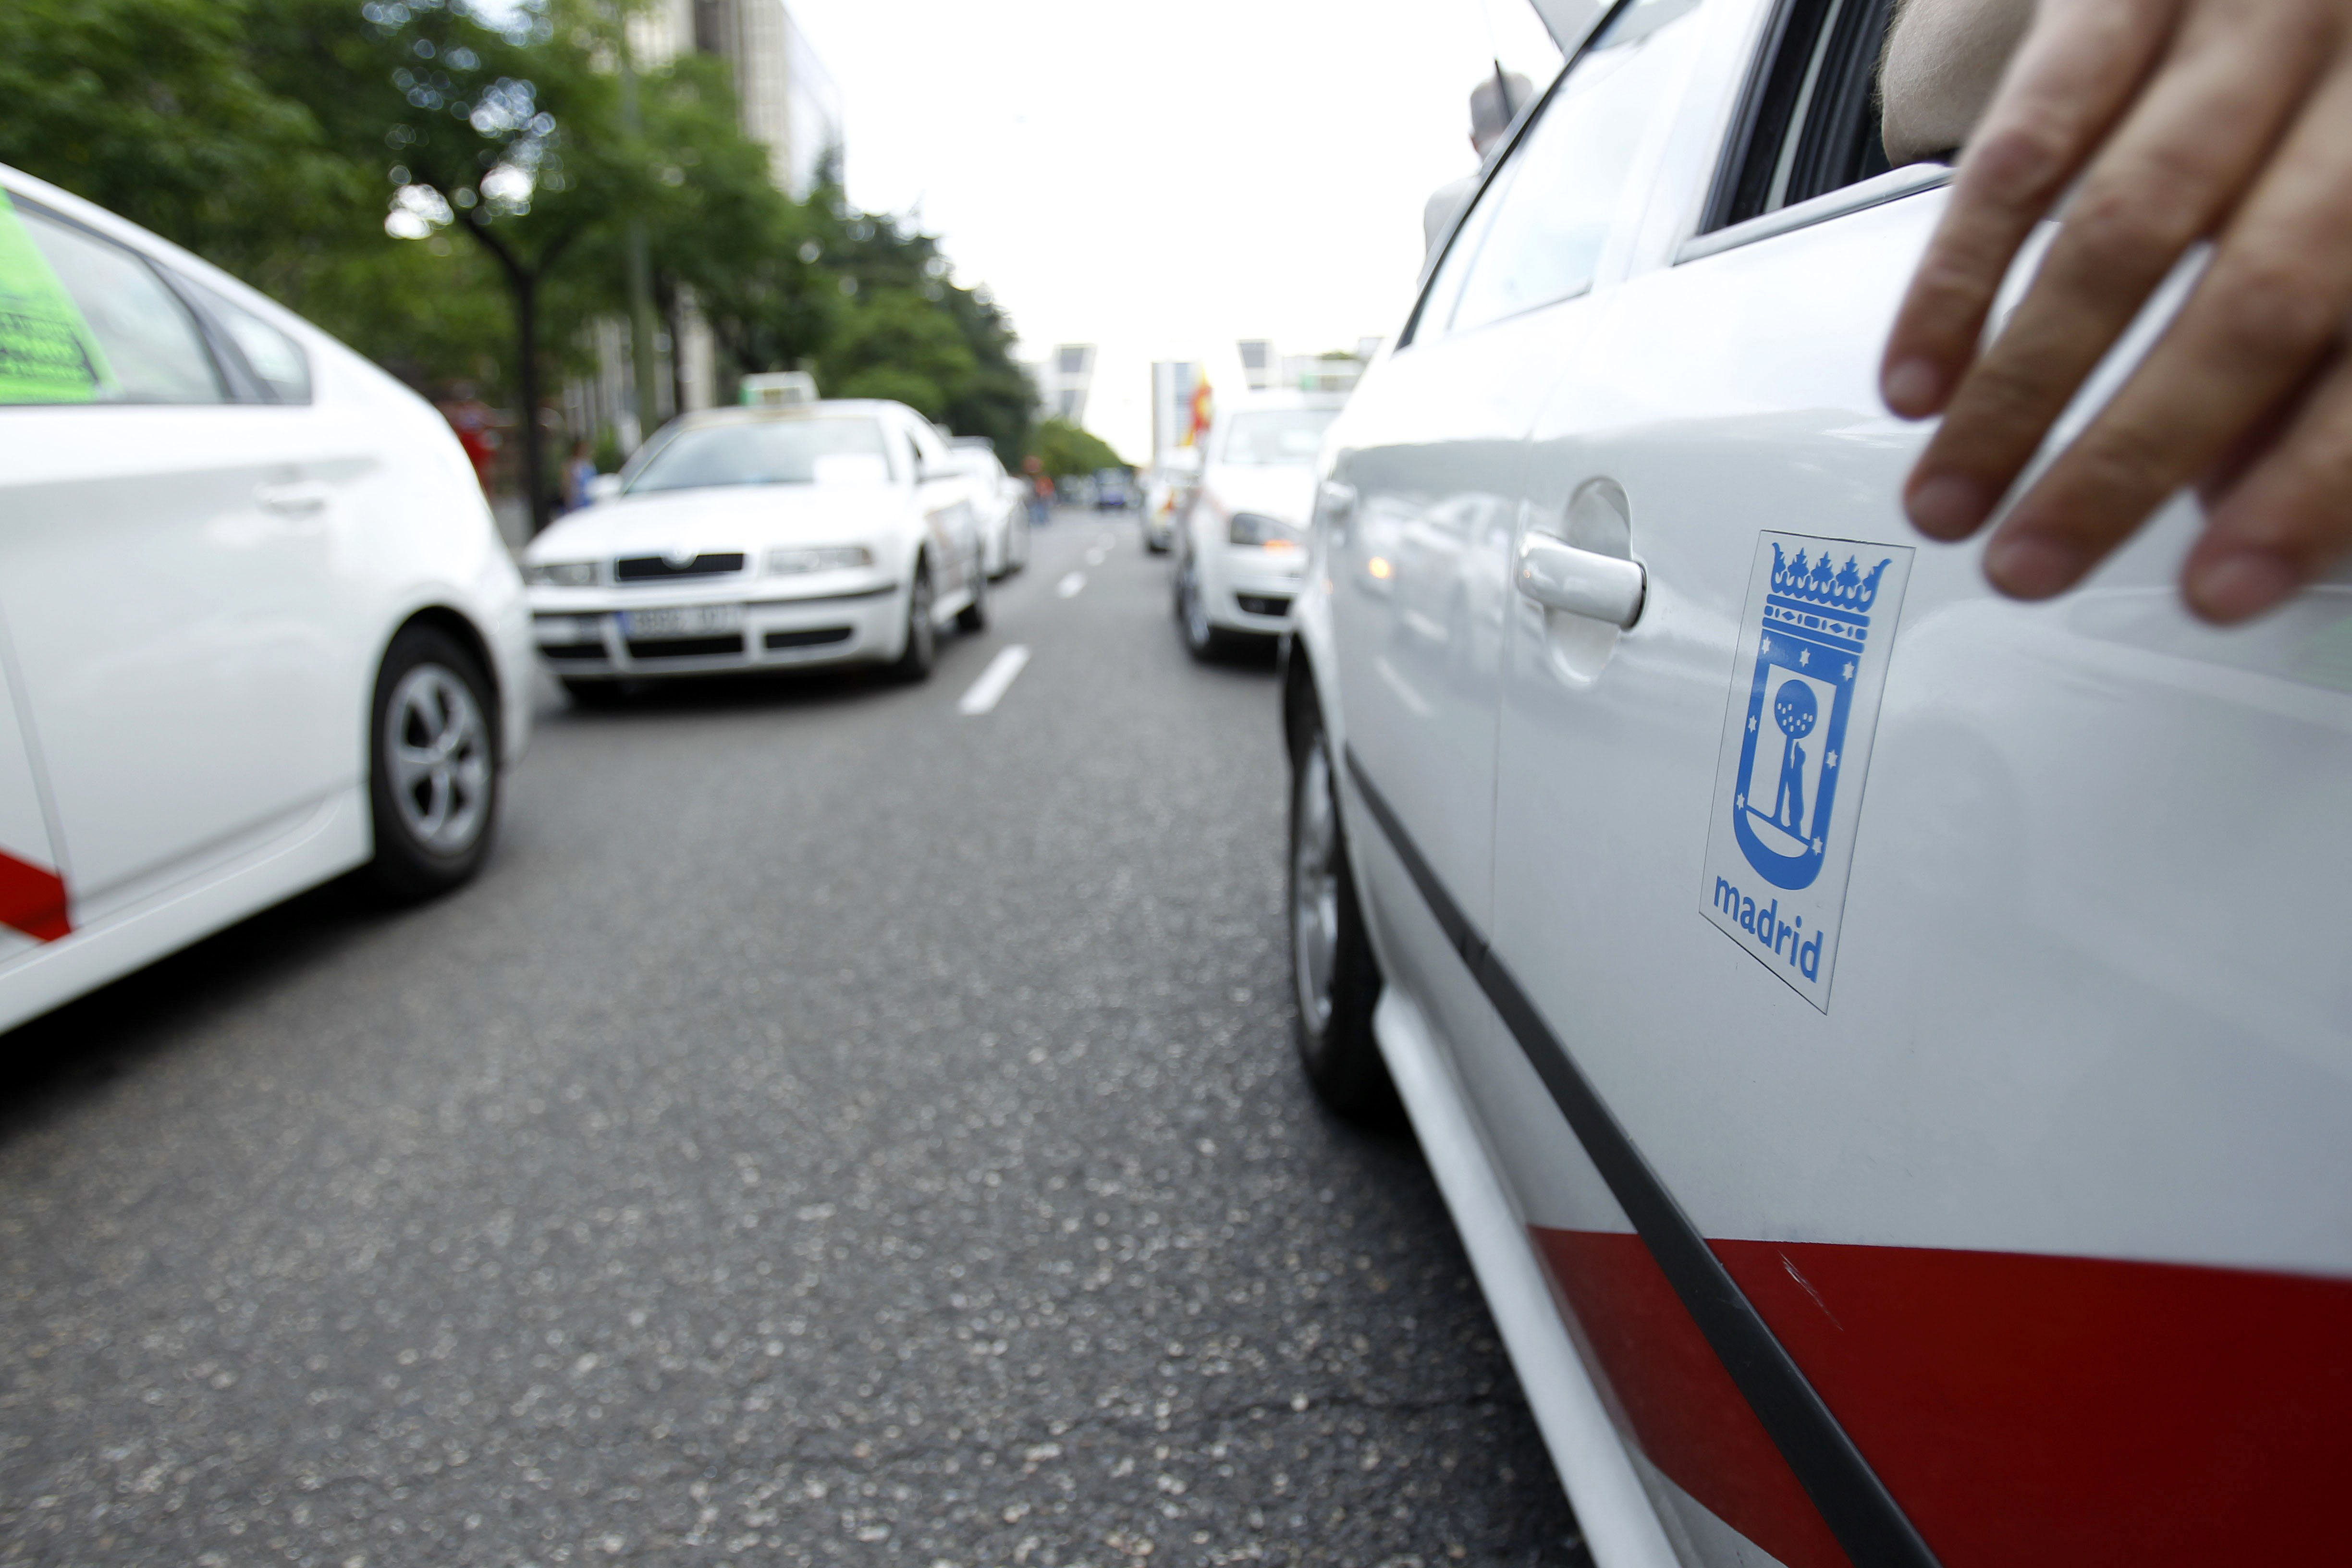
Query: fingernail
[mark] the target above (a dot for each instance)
(2030, 567)
(1912, 388)
(1947, 506)
(2237, 586)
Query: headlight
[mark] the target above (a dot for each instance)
(561, 574)
(1254, 528)
(827, 558)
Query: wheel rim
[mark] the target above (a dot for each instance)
(1196, 614)
(438, 748)
(919, 620)
(1315, 888)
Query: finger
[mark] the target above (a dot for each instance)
(2288, 518)
(2168, 177)
(2074, 73)
(2270, 306)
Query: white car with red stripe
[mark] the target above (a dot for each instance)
(257, 627)
(1886, 1046)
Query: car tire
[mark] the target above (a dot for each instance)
(595, 694)
(432, 766)
(1203, 640)
(973, 618)
(922, 649)
(1335, 979)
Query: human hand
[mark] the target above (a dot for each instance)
(2186, 119)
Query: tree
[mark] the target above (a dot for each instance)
(1066, 448)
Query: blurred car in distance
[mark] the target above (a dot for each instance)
(1242, 547)
(1167, 491)
(259, 626)
(1114, 489)
(765, 539)
(1003, 504)
(1949, 1172)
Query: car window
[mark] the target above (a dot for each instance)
(1552, 207)
(1271, 437)
(277, 363)
(95, 319)
(1810, 121)
(767, 452)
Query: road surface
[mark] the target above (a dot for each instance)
(838, 1127)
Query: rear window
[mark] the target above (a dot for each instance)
(771, 452)
(1276, 437)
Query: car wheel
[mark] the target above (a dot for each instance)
(1201, 640)
(433, 773)
(599, 694)
(922, 648)
(973, 618)
(1334, 975)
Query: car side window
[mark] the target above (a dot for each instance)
(1550, 208)
(138, 342)
(1810, 121)
(279, 370)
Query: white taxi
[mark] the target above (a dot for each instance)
(1886, 1046)
(257, 627)
(765, 539)
(1242, 545)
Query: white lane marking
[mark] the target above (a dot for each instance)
(1068, 586)
(1106, 541)
(985, 691)
(1097, 556)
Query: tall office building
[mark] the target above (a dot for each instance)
(786, 100)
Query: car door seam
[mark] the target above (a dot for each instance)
(1851, 1499)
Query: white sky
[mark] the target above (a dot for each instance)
(1162, 180)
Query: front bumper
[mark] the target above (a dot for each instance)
(585, 640)
(1250, 590)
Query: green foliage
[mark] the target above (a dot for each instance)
(451, 197)
(1065, 449)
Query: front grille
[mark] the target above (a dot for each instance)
(573, 650)
(817, 637)
(685, 648)
(1262, 604)
(657, 569)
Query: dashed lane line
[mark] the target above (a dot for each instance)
(984, 693)
(1068, 586)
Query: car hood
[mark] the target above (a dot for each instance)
(737, 517)
(1285, 494)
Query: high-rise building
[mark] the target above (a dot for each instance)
(1064, 379)
(787, 100)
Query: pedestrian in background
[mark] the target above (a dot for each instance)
(1041, 490)
(579, 470)
(1495, 102)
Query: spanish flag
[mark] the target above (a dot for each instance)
(1201, 409)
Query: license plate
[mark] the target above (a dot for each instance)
(690, 621)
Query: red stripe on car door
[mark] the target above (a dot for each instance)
(2025, 1410)
(32, 899)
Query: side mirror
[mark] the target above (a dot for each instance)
(602, 488)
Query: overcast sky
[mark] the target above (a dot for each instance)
(1163, 179)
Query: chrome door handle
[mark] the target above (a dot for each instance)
(1559, 577)
(298, 498)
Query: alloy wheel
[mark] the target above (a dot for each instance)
(438, 748)
(1315, 888)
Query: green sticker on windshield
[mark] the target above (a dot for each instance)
(47, 353)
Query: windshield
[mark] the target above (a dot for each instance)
(1277, 437)
(771, 452)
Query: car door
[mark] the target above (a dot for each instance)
(951, 510)
(33, 905)
(1421, 500)
(174, 555)
(1868, 931)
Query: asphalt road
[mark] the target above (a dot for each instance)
(835, 1129)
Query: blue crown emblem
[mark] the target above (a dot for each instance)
(1844, 589)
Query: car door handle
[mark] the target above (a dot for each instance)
(298, 497)
(1559, 577)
